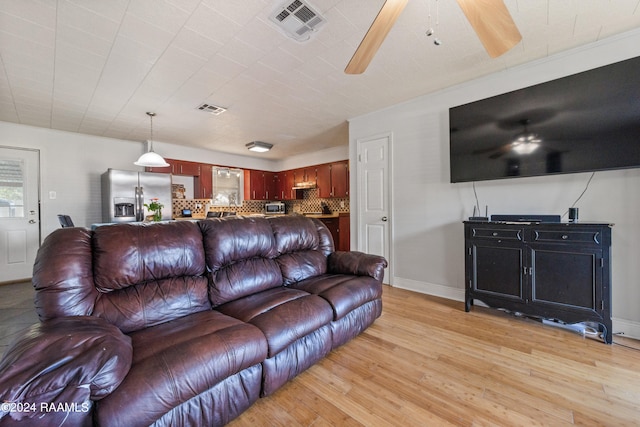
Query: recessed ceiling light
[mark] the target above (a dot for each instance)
(259, 146)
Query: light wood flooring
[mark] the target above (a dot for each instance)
(425, 362)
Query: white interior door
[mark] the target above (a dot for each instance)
(19, 213)
(373, 198)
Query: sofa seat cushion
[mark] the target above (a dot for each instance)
(284, 315)
(344, 292)
(178, 360)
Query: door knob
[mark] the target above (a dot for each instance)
(384, 218)
(32, 221)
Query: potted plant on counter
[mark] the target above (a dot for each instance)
(156, 209)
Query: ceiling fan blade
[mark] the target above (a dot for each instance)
(493, 24)
(375, 36)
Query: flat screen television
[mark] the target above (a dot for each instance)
(588, 121)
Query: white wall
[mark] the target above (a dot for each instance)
(427, 211)
(327, 155)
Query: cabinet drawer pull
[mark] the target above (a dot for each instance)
(565, 237)
(495, 233)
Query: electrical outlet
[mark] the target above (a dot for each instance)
(342, 204)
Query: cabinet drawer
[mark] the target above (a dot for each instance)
(569, 236)
(497, 233)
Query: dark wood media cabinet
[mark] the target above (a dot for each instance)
(558, 271)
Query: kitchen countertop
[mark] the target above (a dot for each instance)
(196, 217)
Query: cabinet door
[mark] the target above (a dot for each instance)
(340, 179)
(344, 233)
(270, 186)
(323, 180)
(186, 168)
(332, 225)
(254, 185)
(565, 277)
(204, 183)
(298, 176)
(286, 182)
(307, 174)
(497, 269)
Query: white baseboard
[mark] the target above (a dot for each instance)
(429, 289)
(628, 328)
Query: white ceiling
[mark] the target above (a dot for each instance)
(96, 66)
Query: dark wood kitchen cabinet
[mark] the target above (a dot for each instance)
(340, 228)
(333, 180)
(340, 179)
(260, 185)
(204, 183)
(285, 183)
(559, 271)
(178, 167)
(181, 167)
(304, 175)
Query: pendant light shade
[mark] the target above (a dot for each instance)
(151, 158)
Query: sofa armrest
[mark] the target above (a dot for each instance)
(357, 263)
(55, 369)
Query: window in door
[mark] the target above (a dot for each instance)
(11, 188)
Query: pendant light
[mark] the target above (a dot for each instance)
(151, 158)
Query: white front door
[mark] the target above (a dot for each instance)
(373, 197)
(19, 213)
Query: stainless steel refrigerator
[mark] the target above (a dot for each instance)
(124, 194)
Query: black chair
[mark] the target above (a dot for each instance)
(65, 221)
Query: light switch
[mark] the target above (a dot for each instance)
(52, 195)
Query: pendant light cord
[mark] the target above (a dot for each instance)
(151, 129)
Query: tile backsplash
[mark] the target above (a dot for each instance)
(309, 203)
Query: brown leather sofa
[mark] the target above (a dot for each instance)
(181, 323)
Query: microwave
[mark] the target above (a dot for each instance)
(274, 208)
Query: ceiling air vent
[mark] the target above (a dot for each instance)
(297, 19)
(213, 109)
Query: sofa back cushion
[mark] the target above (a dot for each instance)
(63, 275)
(303, 246)
(148, 274)
(240, 255)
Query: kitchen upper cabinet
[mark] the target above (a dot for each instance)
(260, 185)
(204, 183)
(286, 181)
(178, 167)
(323, 180)
(340, 179)
(253, 185)
(270, 186)
(307, 174)
(185, 168)
(333, 180)
(166, 169)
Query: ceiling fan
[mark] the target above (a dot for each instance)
(489, 18)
